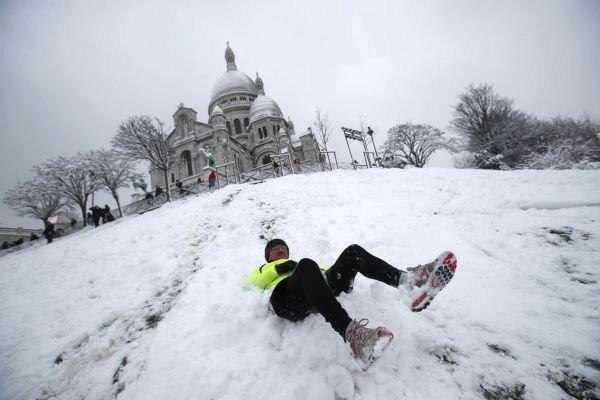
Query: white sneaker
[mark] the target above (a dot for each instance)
(367, 344)
(426, 281)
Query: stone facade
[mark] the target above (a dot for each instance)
(245, 127)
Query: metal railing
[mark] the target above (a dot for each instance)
(228, 174)
(326, 154)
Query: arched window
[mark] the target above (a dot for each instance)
(246, 123)
(186, 160)
(228, 127)
(172, 177)
(238, 126)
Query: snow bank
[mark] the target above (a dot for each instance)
(155, 306)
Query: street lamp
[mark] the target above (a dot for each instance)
(93, 177)
(370, 133)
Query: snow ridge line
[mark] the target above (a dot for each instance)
(122, 335)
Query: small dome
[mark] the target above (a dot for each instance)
(216, 111)
(233, 82)
(264, 106)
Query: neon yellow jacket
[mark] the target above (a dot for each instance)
(266, 276)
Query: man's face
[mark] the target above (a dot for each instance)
(278, 252)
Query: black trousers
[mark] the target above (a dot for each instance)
(48, 236)
(307, 290)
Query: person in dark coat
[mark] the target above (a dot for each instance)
(90, 219)
(149, 197)
(159, 191)
(48, 230)
(96, 215)
(105, 213)
(179, 185)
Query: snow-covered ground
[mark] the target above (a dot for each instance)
(155, 306)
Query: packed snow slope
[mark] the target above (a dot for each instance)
(155, 306)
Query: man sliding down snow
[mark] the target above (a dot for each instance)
(300, 288)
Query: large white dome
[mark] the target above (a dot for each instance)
(233, 82)
(264, 106)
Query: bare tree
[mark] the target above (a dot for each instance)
(486, 121)
(73, 178)
(113, 171)
(143, 138)
(563, 143)
(416, 143)
(34, 199)
(322, 127)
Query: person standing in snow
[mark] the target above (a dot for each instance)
(211, 179)
(105, 213)
(48, 230)
(300, 288)
(97, 213)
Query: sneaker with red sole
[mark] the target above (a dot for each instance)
(426, 281)
(367, 344)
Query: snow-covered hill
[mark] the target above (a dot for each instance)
(155, 306)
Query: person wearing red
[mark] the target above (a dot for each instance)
(212, 179)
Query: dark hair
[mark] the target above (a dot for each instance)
(272, 243)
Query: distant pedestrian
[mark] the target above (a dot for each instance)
(212, 179)
(180, 187)
(96, 215)
(159, 191)
(48, 230)
(109, 217)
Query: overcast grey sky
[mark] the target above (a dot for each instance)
(71, 71)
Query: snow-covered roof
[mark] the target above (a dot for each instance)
(232, 82)
(216, 111)
(264, 106)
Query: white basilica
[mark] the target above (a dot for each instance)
(245, 127)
